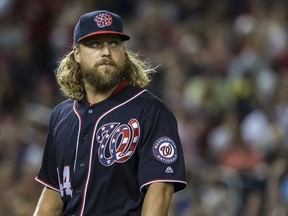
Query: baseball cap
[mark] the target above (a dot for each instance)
(97, 23)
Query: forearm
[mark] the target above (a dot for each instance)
(49, 204)
(158, 199)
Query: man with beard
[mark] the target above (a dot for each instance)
(113, 148)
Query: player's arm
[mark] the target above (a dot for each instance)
(49, 204)
(158, 199)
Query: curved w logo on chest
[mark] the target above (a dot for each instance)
(117, 141)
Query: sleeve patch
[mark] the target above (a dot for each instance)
(165, 150)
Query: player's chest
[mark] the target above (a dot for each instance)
(108, 139)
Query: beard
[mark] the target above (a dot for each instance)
(103, 77)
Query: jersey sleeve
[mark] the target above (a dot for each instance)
(160, 152)
(48, 171)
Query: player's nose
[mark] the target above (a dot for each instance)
(105, 50)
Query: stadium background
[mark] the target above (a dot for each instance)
(223, 70)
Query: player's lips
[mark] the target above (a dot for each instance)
(106, 62)
(106, 65)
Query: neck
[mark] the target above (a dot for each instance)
(93, 97)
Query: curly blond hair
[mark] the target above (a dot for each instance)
(70, 79)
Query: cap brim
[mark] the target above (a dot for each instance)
(123, 36)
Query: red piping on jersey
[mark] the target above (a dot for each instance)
(161, 180)
(46, 184)
(78, 136)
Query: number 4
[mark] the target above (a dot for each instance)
(65, 187)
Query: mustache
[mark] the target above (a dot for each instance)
(105, 62)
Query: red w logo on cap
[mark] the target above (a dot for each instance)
(103, 19)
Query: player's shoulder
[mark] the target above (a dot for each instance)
(63, 108)
(64, 105)
(147, 99)
(151, 99)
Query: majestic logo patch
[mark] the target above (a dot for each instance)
(103, 19)
(169, 170)
(165, 150)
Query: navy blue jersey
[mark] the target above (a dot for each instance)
(101, 157)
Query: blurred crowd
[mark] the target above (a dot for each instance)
(222, 69)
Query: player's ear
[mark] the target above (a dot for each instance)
(76, 52)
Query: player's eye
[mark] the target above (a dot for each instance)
(95, 44)
(92, 43)
(115, 43)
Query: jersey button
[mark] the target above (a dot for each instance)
(90, 111)
(82, 164)
(86, 137)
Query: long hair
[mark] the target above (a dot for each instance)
(70, 79)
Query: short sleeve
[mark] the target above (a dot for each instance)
(160, 152)
(48, 172)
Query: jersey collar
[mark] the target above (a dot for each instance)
(122, 85)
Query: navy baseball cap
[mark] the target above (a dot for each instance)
(96, 23)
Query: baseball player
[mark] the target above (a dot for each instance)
(113, 148)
